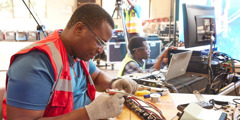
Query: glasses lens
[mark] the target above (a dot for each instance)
(99, 42)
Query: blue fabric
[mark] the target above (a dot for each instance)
(137, 10)
(30, 80)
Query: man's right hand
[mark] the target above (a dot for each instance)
(165, 54)
(105, 106)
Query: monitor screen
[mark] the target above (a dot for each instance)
(227, 27)
(198, 25)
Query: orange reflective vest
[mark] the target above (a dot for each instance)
(132, 22)
(61, 98)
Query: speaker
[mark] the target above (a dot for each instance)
(21, 36)
(10, 35)
(155, 47)
(116, 51)
(32, 36)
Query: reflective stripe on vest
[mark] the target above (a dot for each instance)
(91, 88)
(132, 22)
(126, 60)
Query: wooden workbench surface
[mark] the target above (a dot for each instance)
(166, 105)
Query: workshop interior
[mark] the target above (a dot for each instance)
(202, 78)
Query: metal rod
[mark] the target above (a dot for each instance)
(119, 7)
(230, 89)
(31, 12)
(39, 26)
(209, 84)
(170, 20)
(175, 22)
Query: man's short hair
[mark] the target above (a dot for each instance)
(135, 42)
(91, 14)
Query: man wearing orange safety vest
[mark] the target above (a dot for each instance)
(132, 18)
(55, 78)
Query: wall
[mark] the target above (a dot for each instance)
(59, 12)
(160, 8)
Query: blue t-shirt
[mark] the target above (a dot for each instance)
(31, 77)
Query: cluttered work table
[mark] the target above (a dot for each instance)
(168, 106)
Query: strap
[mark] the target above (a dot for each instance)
(91, 91)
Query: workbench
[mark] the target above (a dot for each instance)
(168, 105)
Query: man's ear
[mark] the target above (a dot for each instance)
(137, 51)
(78, 28)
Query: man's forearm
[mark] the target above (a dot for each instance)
(74, 115)
(103, 81)
(15, 113)
(158, 64)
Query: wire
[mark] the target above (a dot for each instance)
(150, 112)
(184, 85)
(235, 100)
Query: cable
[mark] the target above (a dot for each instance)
(235, 100)
(145, 108)
(184, 85)
(234, 77)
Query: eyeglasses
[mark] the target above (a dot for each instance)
(100, 41)
(142, 48)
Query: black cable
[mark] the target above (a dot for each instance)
(185, 86)
(234, 77)
(221, 83)
(221, 103)
(238, 117)
(235, 100)
(215, 78)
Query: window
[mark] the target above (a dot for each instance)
(110, 5)
(17, 8)
(6, 8)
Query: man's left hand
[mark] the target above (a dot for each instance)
(126, 84)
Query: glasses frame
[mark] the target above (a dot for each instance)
(142, 48)
(100, 41)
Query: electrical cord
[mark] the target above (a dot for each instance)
(234, 77)
(184, 85)
(235, 100)
(145, 108)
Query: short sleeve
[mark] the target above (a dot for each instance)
(92, 67)
(30, 80)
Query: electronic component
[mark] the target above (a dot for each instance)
(144, 109)
(150, 80)
(143, 92)
(201, 100)
(237, 67)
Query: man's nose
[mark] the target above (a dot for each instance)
(149, 50)
(100, 50)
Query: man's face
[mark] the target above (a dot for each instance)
(144, 51)
(92, 41)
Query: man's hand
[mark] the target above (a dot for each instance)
(105, 106)
(126, 84)
(165, 54)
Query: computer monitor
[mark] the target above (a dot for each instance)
(227, 14)
(198, 25)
